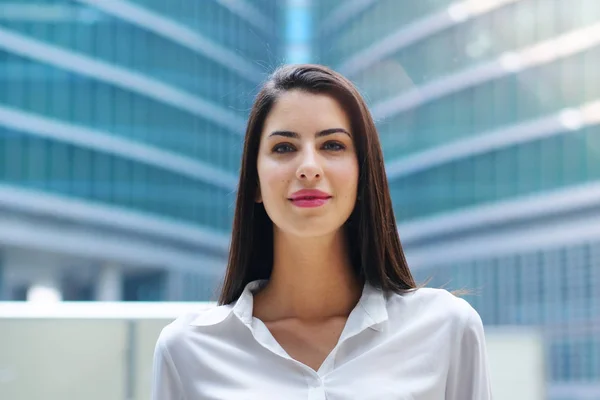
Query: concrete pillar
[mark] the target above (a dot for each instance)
(109, 285)
(45, 289)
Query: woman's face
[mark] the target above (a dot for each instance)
(307, 165)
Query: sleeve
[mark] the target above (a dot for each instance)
(468, 376)
(166, 384)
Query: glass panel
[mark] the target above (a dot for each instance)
(546, 289)
(529, 168)
(468, 43)
(102, 36)
(115, 111)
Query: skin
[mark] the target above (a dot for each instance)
(312, 289)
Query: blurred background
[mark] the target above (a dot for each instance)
(121, 129)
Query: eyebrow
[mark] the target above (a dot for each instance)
(294, 135)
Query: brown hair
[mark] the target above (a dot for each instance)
(377, 255)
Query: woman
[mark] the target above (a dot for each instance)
(318, 301)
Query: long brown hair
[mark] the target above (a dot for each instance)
(377, 256)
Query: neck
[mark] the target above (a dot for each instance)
(312, 278)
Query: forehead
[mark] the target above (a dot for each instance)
(300, 111)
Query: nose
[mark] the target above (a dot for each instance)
(309, 169)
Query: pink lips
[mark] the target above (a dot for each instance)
(307, 198)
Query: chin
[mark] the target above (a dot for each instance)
(310, 227)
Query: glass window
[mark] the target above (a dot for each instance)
(82, 172)
(525, 169)
(535, 288)
(592, 147)
(13, 156)
(506, 173)
(146, 286)
(59, 170)
(378, 21)
(122, 181)
(34, 163)
(101, 176)
(4, 140)
(481, 38)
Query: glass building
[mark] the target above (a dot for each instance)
(489, 116)
(121, 127)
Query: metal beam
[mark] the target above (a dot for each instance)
(130, 80)
(344, 13)
(471, 234)
(541, 53)
(417, 30)
(560, 123)
(88, 214)
(178, 33)
(90, 245)
(112, 144)
(247, 11)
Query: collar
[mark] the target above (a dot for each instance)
(374, 304)
(242, 308)
(370, 311)
(245, 304)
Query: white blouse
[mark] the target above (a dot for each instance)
(424, 345)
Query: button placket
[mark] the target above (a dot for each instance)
(315, 383)
(317, 391)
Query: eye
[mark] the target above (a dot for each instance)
(334, 146)
(283, 148)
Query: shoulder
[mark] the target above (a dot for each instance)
(177, 335)
(435, 306)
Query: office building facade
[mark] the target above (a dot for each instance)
(121, 126)
(489, 116)
(121, 130)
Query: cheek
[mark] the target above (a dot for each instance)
(274, 181)
(346, 177)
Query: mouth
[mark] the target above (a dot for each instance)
(309, 198)
(309, 202)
